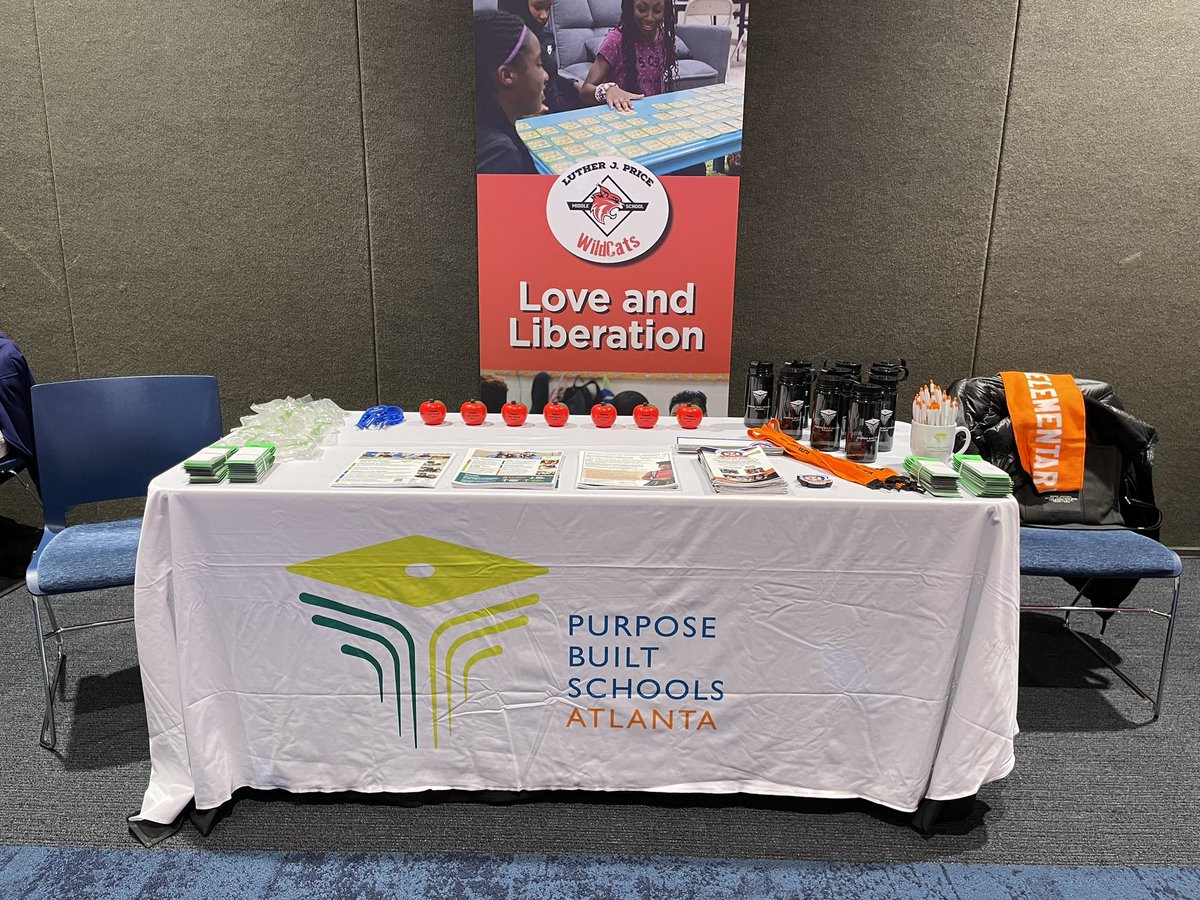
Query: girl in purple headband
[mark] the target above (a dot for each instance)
(509, 85)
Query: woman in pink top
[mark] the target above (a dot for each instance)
(636, 59)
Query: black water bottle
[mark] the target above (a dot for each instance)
(851, 373)
(791, 402)
(863, 422)
(760, 385)
(888, 376)
(827, 394)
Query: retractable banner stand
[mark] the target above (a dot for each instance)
(608, 155)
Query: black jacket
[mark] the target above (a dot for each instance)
(16, 408)
(1120, 452)
(498, 149)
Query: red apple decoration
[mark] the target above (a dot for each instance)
(433, 412)
(604, 414)
(645, 415)
(473, 412)
(556, 414)
(689, 415)
(514, 413)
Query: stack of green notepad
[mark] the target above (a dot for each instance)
(935, 476)
(981, 478)
(250, 463)
(208, 466)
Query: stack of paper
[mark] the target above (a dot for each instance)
(937, 477)
(626, 471)
(249, 464)
(510, 468)
(741, 471)
(981, 478)
(208, 466)
(691, 444)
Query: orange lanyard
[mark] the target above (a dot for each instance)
(842, 468)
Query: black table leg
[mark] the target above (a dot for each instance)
(931, 813)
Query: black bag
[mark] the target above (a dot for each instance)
(581, 396)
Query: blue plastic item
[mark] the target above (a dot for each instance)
(381, 417)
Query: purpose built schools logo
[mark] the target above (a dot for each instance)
(416, 572)
(608, 210)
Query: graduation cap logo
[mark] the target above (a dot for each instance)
(418, 572)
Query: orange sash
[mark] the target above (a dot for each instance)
(1049, 427)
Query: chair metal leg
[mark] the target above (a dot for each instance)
(48, 737)
(1162, 675)
(29, 488)
(1087, 640)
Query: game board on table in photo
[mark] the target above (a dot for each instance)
(664, 133)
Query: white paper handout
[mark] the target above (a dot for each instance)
(395, 468)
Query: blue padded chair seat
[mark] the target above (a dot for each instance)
(1095, 553)
(89, 557)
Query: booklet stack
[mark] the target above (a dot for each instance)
(981, 478)
(741, 471)
(692, 445)
(208, 466)
(626, 471)
(510, 468)
(249, 464)
(935, 476)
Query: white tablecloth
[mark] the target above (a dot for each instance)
(833, 643)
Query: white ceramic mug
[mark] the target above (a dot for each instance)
(937, 441)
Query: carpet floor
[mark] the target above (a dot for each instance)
(1093, 785)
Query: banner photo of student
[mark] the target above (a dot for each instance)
(608, 154)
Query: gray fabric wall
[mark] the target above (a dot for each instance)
(282, 194)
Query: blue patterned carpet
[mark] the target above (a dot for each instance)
(36, 872)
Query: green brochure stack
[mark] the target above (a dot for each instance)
(981, 478)
(250, 463)
(935, 476)
(208, 466)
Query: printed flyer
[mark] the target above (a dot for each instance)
(608, 155)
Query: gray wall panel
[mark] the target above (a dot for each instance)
(1093, 261)
(419, 122)
(873, 132)
(210, 176)
(33, 297)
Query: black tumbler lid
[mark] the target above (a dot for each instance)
(829, 378)
(796, 370)
(866, 391)
(760, 369)
(889, 371)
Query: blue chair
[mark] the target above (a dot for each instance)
(1102, 553)
(104, 439)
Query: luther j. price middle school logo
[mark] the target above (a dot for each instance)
(608, 210)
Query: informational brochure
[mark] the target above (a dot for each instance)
(741, 471)
(395, 468)
(692, 444)
(626, 471)
(510, 468)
